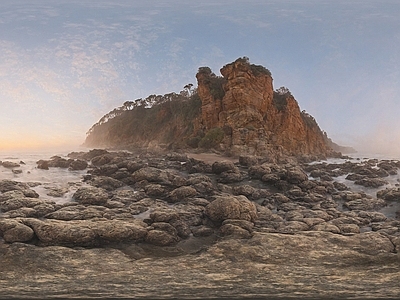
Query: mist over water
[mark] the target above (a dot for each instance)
(56, 184)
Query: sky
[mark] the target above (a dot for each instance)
(66, 63)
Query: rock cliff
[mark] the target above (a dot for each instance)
(236, 113)
(256, 119)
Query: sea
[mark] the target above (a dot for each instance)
(56, 184)
(59, 185)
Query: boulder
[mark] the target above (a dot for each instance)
(91, 196)
(389, 194)
(150, 174)
(10, 164)
(106, 183)
(78, 164)
(219, 167)
(160, 238)
(181, 194)
(371, 182)
(15, 231)
(231, 207)
(19, 201)
(89, 233)
(295, 175)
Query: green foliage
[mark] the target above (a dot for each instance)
(214, 82)
(256, 69)
(212, 138)
(280, 97)
(168, 117)
(309, 120)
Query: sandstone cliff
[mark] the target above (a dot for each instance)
(255, 118)
(237, 113)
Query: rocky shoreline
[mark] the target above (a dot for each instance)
(175, 225)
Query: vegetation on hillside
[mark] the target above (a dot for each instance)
(165, 118)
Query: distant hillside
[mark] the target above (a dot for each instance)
(238, 113)
(165, 121)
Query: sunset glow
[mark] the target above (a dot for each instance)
(63, 64)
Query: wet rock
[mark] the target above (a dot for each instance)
(389, 194)
(365, 204)
(340, 186)
(91, 196)
(105, 170)
(231, 207)
(10, 164)
(10, 185)
(14, 231)
(42, 164)
(106, 183)
(58, 162)
(371, 182)
(101, 160)
(78, 165)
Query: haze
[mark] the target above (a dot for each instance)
(64, 64)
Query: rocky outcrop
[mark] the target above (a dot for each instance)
(256, 119)
(238, 113)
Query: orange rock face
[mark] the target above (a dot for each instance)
(255, 119)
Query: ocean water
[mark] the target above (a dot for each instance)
(55, 184)
(393, 180)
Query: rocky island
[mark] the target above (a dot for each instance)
(221, 192)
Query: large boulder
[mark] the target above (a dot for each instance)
(88, 233)
(182, 193)
(150, 174)
(389, 194)
(219, 167)
(91, 196)
(231, 207)
(14, 231)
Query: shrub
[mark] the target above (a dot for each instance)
(212, 138)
